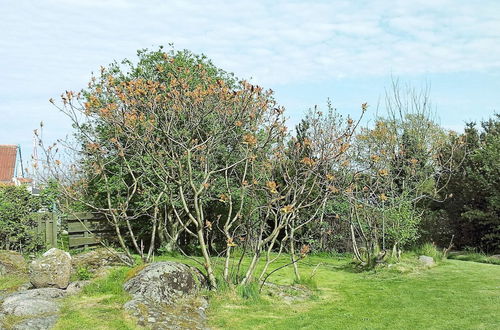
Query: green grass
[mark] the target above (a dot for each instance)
(12, 282)
(98, 306)
(452, 295)
(476, 257)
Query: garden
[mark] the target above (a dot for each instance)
(217, 214)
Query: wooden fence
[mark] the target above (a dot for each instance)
(84, 229)
(87, 229)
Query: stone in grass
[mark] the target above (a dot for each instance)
(12, 263)
(99, 258)
(51, 270)
(76, 287)
(165, 282)
(37, 308)
(37, 323)
(165, 296)
(32, 302)
(426, 260)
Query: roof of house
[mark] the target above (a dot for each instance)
(8, 155)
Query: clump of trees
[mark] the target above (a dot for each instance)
(471, 213)
(180, 155)
(397, 166)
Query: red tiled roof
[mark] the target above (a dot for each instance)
(8, 155)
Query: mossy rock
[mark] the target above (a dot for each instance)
(165, 295)
(12, 262)
(165, 282)
(99, 258)
(51, 270)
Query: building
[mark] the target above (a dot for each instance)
(11, 169)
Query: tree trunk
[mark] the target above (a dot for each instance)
(292, 254)
(206, 257)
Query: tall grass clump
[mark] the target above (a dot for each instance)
(431, 250)
(249, 291)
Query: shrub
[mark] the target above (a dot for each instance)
(17, 229)
(83, 274)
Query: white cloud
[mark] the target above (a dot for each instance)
(264, 39)
(47, 47)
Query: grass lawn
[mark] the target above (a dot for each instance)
(476, 257)
(453, 295)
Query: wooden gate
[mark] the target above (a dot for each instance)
(46, 228)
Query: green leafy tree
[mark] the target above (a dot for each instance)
(397, 166)
(472, 208)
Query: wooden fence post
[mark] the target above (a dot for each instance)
(54, 229)
(86, 232)
(48, 232)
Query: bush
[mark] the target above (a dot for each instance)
(17, 229)
(83, 274)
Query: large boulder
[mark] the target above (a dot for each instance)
(99, 258)
(34, 309)
(165, 282)
(51, 270)
(12, 262)
(32, 302)
(427, 261)
(165, 296)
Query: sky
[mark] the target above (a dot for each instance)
(306, 51)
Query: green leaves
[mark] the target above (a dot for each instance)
(16, 227)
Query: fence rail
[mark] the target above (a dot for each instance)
(84, 229)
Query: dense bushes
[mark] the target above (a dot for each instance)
(17, 228)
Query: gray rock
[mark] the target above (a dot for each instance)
(12, 262)
(427, 261)
(165, 282)
(32, 307)
(165, 297)
(52, 269)
(186, 313)
(32, 302)
(76, 287)
(44, 293)
(496, 256)
(99, 258)
(38, 308)
(289, 293)
(38, 323)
